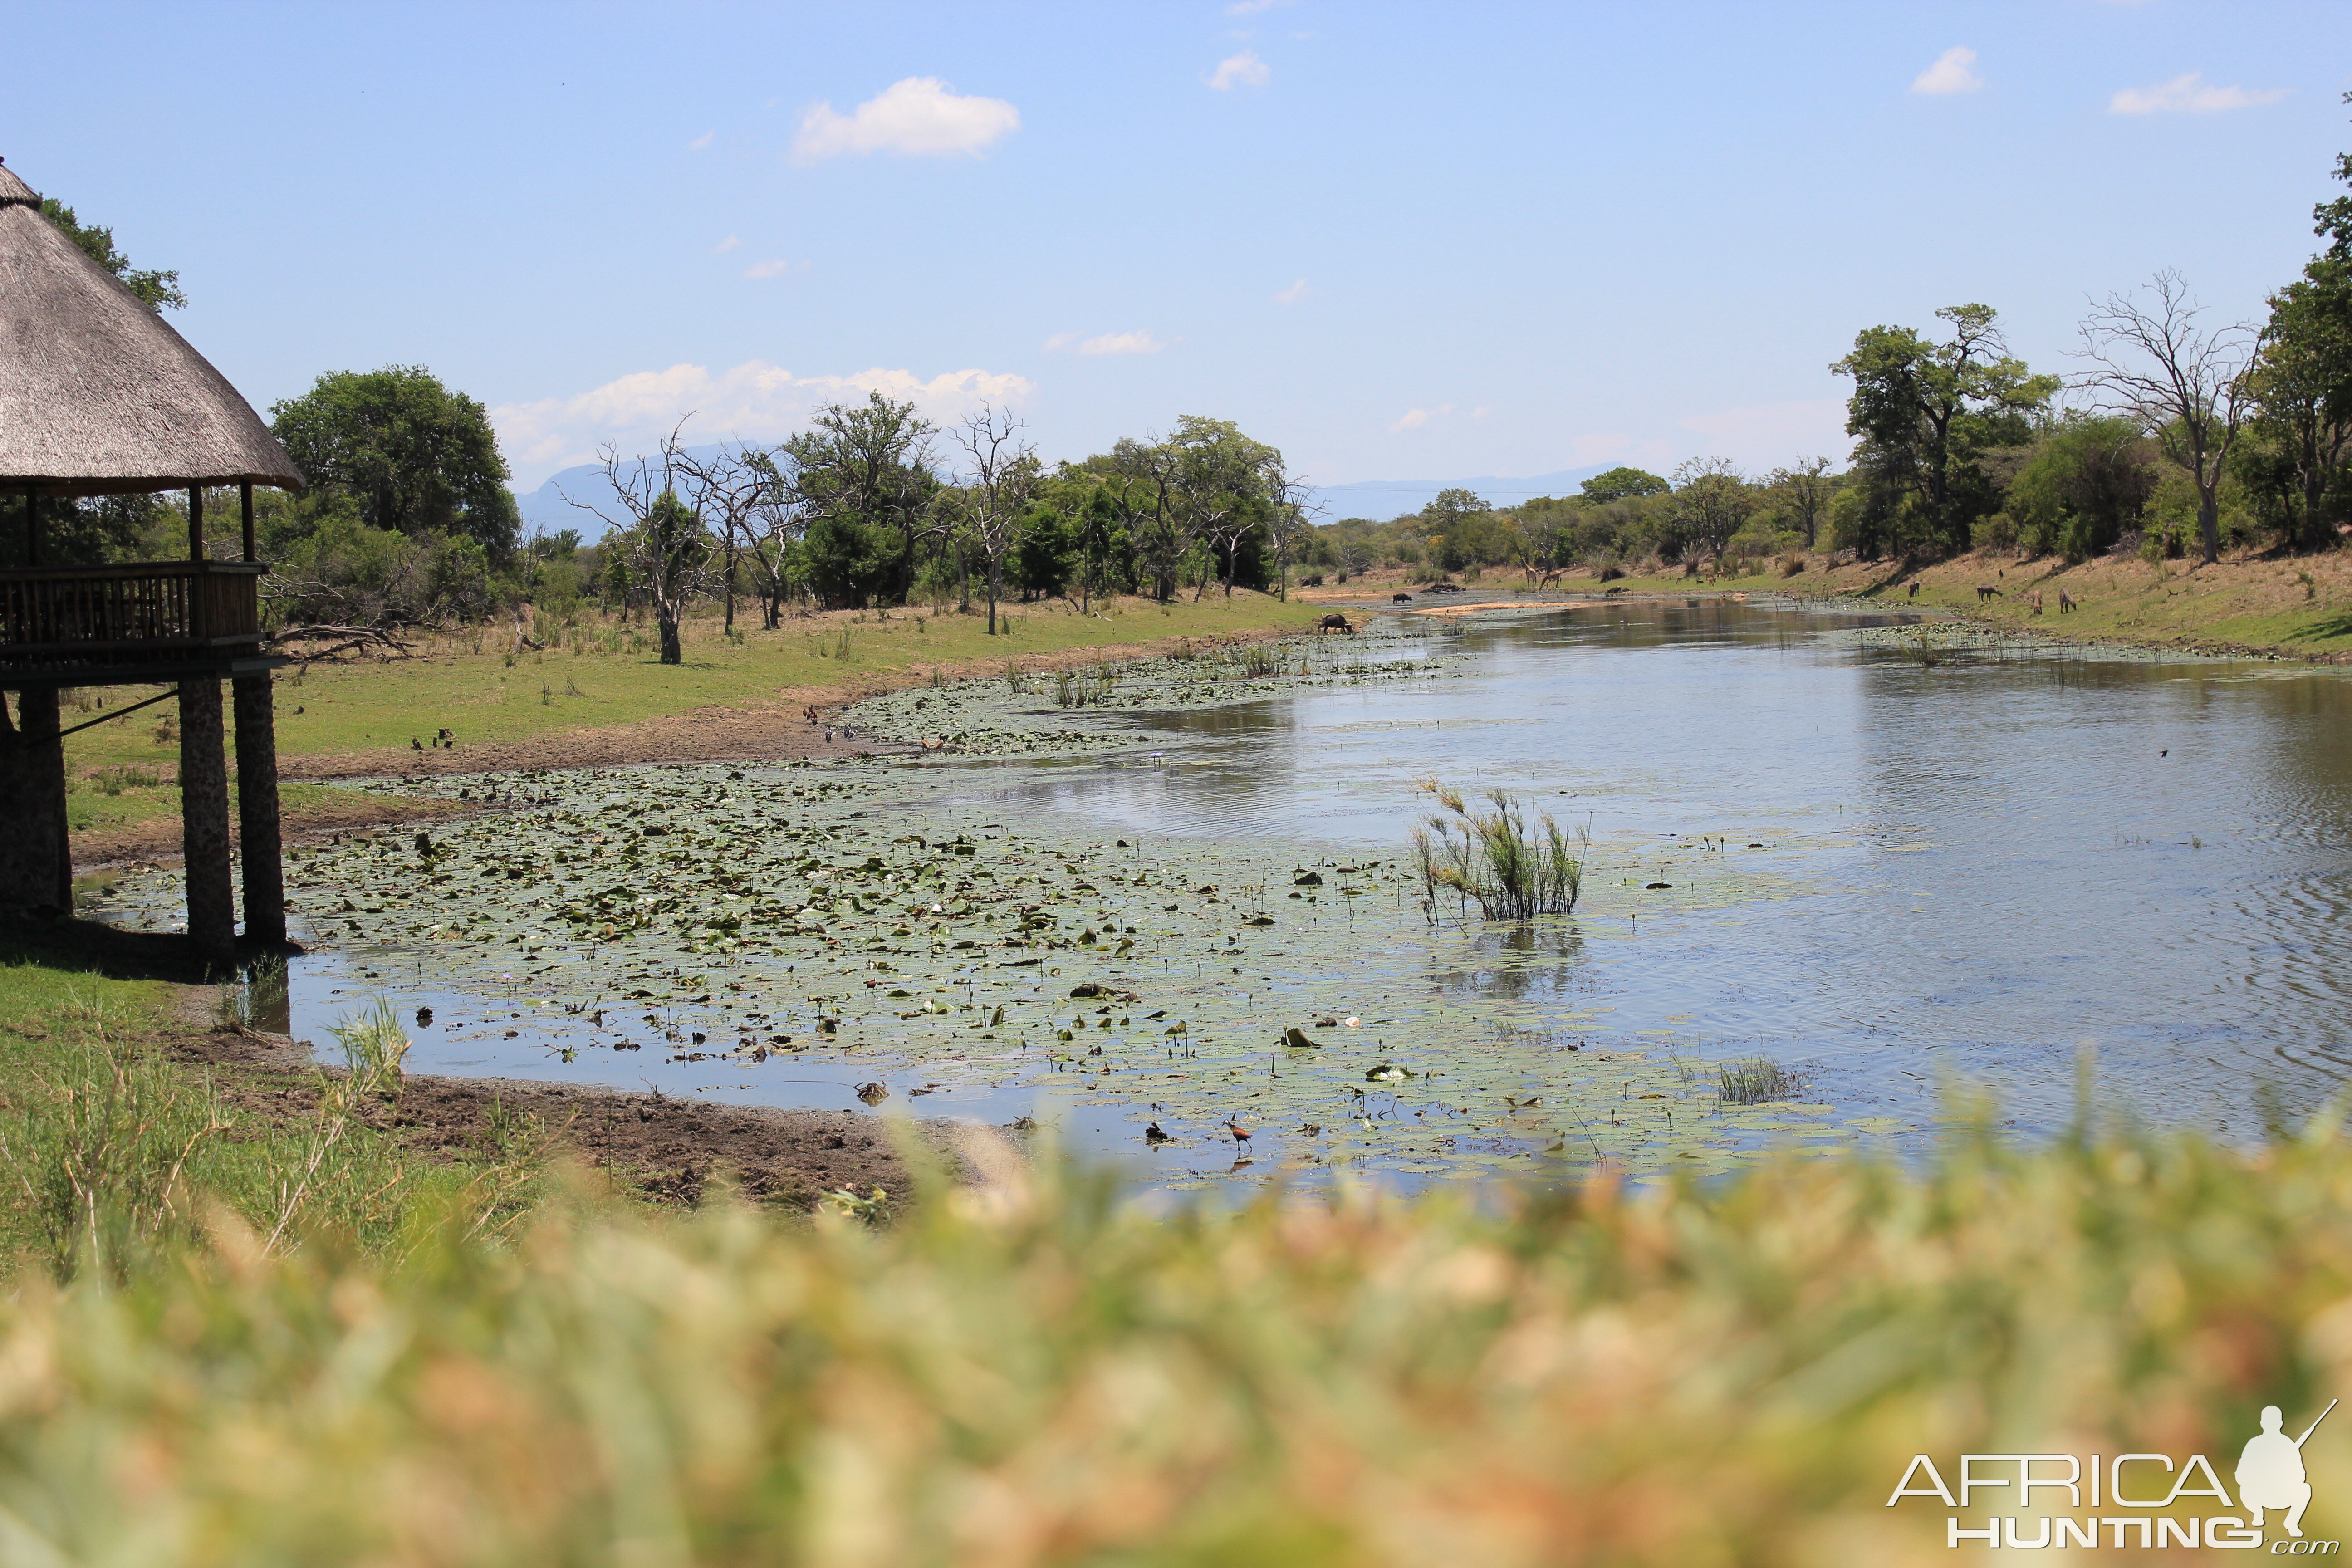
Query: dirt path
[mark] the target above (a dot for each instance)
(658, 1146)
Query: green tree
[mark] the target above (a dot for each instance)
(2087, 481)
(156, 290)
(1711, 500)
(1620, 482)
(2302, 386)
(865, 486)
(1927, 411)
(403, 452)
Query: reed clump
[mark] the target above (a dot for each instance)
(1513, 868)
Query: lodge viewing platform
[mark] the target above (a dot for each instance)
(149, 620)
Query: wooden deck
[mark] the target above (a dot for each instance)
(98, 623)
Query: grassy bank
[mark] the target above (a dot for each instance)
(600, 675)
(1030, 1374)
(132, 1100)
(2293, 607)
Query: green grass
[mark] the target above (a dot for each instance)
(113, 1147)
(1036, 1374)
(596, 679)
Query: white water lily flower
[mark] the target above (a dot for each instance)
(1353, 1023)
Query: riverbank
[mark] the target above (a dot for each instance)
(2291, 607)
(595, 696)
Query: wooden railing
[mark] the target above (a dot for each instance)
(94, 619)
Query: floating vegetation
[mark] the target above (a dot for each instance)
(1512, 868)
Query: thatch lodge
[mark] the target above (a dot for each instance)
(100, 396)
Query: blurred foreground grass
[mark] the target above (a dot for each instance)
(1030, 1372)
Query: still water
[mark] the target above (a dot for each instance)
(1978, 869)
(2007, 861)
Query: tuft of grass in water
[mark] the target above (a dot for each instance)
(1756, 1081)
(1260, 660)
(1032, 1373)
(1512, 868)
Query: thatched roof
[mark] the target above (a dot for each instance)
(98, 394)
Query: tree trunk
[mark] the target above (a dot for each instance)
(2208, 519)
(995, 588)
(35, 865)
(667, 619)
(730, 587)
(204, 820)
(259, 850)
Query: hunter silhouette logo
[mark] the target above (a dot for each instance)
(2143, 1490)
(2270, 1472)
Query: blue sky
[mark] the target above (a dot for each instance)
(1396, 241)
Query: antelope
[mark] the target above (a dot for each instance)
(2034, 599)
(2067, 602)
(1915, 590)
(1987, 591)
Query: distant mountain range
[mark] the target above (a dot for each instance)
(545, 508)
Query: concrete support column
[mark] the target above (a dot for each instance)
(259, 846)
(35, 863)
(204, 820)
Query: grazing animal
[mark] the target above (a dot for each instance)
(1915, 591)
(1548, 579)
(2034, 599)
(1987, 591)
(1314, 582)
(1611, 574)
(1400, 598)
(2067, 602)
(447, 737)
(1334, 622)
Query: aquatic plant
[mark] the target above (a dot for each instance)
(1512, 868)
(1757, 1081)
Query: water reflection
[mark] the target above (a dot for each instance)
(2015, 854)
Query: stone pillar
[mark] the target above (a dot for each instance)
(204, 820)
(35, 863)
(259, 847)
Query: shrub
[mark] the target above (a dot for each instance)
(1509, 868)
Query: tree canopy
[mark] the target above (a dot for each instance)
(1620, 482)
(156, 290)
(402, 452)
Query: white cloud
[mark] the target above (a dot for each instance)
(776, 268)
(1252, 7)
(2188, 94)
(1414, 418)
(1059, 341)
(1139, 341)
(755, 401)
(1244, 70)
(1768, 435)
(919, 117)
(1292, 295)
(1951, 73)
(700, 142)
(732, 242)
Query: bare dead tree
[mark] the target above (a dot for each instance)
(774, 529)
(1293, 510)
(1003, 476)
(2184, 384)
(728, 491)
(664, 542)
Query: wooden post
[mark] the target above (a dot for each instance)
(203, 819)
(245, 494)
(36, 864)
(259, 845)
(32, 531)
(196, 524)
